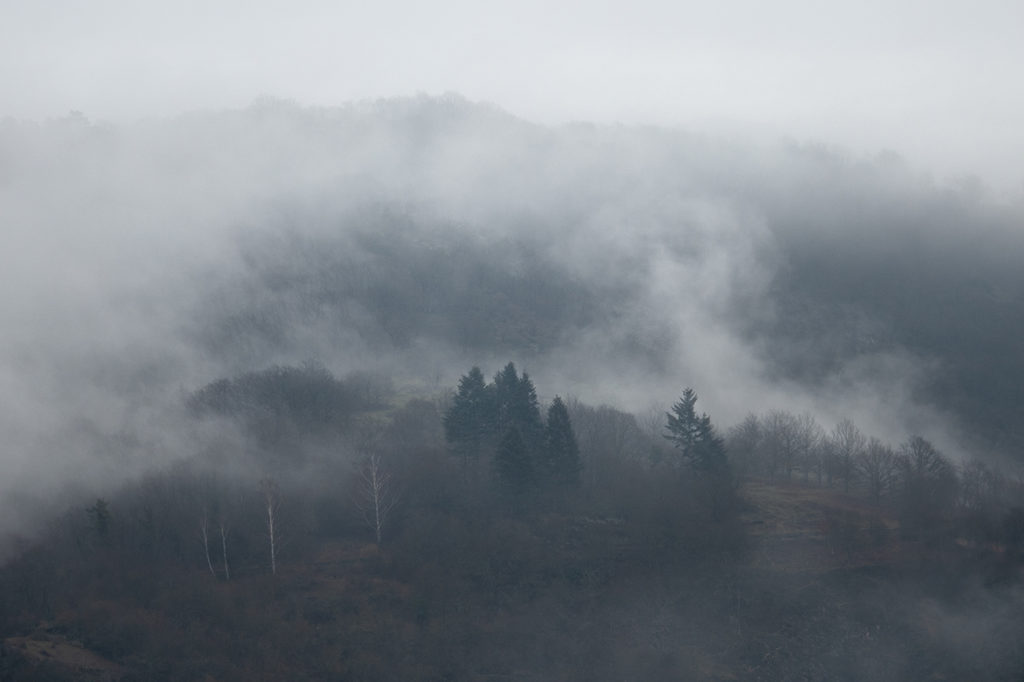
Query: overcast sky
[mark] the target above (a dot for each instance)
(937, 81)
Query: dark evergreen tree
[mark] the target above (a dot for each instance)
(505, 418)
(683, 423)
(470, 422)
(703, 452)
(514, 464)
(561, 452)
(506, 388)
(526, 413)
(516, 405)
(694, 436)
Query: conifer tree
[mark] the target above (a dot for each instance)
(470, 421)
(562, 453)
(694, 436)
(526, 413)
(516, 405)
(514, 464)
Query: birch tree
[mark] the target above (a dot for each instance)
(376, 496)
(272, 502)
(204, 530)
(224, 548)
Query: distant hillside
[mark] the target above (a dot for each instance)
(592, 247)
(389, 280)
(412, 238)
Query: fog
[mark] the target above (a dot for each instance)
(935, 83)
(619, 263)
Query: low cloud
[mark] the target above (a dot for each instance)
(146, 260)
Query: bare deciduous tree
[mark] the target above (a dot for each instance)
(780, 442)
(224, 548)
(847, 444)
(743, 443)
(272, 502)
(204, 529)
(877, 465)
(929, 482)
(608, 437)
(376, 496)
(809, 438)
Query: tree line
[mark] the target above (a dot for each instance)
(924, 485)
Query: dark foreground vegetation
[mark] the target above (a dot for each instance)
(346, 533)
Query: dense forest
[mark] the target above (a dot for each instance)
(416, 389)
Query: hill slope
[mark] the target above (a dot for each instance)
(826, 588)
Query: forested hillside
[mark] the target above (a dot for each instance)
(479, 536)
(409, 390)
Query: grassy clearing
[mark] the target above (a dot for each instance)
(797, 528)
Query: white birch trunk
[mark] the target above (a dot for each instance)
(224, 550)
(377, 498)
(272, 499)
(204, 528)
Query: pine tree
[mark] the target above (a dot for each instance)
(562, 453)
(694, 436)
(506, 388)
(514, 464)
(526, 413)
(505, 418)
(516, 405)
(703, 451)
(470, 421)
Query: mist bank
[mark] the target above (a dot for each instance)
(417, 237)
